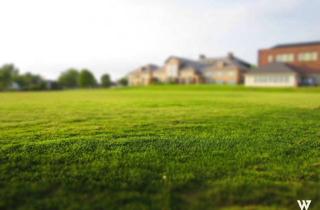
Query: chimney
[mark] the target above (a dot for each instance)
(202, 57)
(230, 55)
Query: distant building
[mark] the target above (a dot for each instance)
(142, 76)
(273, 75)
(223, 70)
(301, 58)
(180, 70)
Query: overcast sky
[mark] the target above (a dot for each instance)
(116, 36)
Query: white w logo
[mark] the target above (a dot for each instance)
(304, 204)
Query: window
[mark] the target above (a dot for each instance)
(308, 56)
(208, 74)
(231, 74)
(271, 79)
(221, 64)
(270, 58)
(285, 58)
(173, 70)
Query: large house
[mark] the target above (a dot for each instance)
(225, 70)
(143, 75)
(287, 65)
(222, 70)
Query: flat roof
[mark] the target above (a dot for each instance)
(300, 44)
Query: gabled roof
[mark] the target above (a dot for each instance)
(150, 67)
(203, 63)
(185, 63)
(276, 68)
(230, 60)
(145, 68)
(301, 44)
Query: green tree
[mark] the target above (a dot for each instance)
(106, 80)
(69, 78)
(87, 79)
(8, 73)
(123, 81)
(29, 81)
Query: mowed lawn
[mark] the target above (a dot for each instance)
(162, 147)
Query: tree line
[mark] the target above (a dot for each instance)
(12, 79)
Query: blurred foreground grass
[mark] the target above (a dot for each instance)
(162, 147)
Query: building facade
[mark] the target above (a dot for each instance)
(222, 70)
(305, 55)
(301, 59)
(225, 70)
(273, 75)
(142, 76)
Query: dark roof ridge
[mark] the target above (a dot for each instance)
(276, 67)
(298, 44)
(232, 58)
(180, 58)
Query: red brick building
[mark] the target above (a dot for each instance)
(303, 55)
(301, 62)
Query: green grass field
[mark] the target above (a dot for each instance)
(162, 147)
